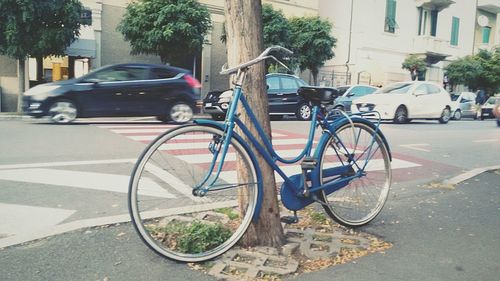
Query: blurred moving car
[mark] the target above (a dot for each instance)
(487, 108)
(463, 105)
(282, 96)
(404, 101)
(169, 93)
(349, 93)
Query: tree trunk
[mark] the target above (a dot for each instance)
(39, 69)
(21, 76)
(245, 42)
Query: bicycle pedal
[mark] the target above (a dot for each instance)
(308, 163)
(289, 219)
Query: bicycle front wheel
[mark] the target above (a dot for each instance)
(168, 217)
(363, 152)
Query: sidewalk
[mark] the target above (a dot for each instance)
(438, 233)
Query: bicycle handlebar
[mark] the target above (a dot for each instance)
(263, 56)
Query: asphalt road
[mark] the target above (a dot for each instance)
(438, 233)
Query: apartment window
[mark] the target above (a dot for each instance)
(455, 25)
(486, 34)
(390, 16)
(427, 22)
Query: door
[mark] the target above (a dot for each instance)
(102, 93)
(274, 94)
(418, 102)
(162, 91)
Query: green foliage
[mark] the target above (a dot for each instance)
(414, 63)
(318, 217)
(275, 27)
(312, 42)
(38, 28)
(478, 71)
(171, 29)
(229, 212)
(197, 237)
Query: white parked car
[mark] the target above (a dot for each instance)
(403, 101)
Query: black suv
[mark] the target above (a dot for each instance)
(282, 96)
(169, 93)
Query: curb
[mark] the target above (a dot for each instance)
(470, 174)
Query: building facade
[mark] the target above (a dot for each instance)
(101, 44)
(373, 39)
(375, 36)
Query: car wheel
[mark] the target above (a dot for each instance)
(63, 111)
(401, 115)
(303, 112)
(445, 116)
(218, 117)
(180, 112)
(457, 115)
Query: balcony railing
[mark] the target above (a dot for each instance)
(435, 49)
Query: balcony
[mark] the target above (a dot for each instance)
(434, 49)
(435, 4)
(491, 6)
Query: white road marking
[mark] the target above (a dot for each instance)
(416, 146)
(85, 180)
(17, 219)
(486, 140)
(69, 163)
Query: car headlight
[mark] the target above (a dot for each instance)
(40, 92)
(226, 96)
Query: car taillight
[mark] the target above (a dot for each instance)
(192, 82)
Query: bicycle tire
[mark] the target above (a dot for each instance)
(362, 199)
(167, 216)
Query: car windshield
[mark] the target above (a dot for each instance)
(397, 88)
(454, 97)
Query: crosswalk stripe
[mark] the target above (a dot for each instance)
(18, 219)
(86, 180)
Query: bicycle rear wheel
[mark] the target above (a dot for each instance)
(168, 217)
(362, 198)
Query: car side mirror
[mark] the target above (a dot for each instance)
(350, 95)
(92, 80)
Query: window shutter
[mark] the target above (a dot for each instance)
(390, 16)
(455, 24)
(434, 18)
(486, 34)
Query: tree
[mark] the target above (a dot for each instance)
(37, 28)
(245, 42)
(171, 29)
(477, 71)
(416, 65)
(311, 43)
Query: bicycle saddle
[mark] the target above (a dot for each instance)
(318, 95)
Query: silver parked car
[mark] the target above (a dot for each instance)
(349, 93)
(463, 105)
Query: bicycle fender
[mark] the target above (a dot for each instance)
(260, 186)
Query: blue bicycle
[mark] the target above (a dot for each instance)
(196, 188)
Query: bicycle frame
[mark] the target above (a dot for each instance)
(292, 188)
